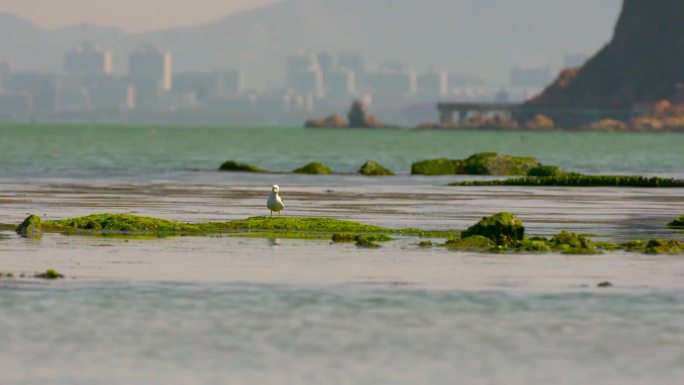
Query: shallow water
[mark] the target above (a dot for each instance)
(225, 310)
(236, 334)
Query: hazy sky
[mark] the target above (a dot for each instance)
(131, 15)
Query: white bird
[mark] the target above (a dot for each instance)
(274, 202)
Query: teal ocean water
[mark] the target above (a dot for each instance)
(169, 152)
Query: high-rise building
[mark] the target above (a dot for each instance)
(341, 83)
(229, 83)
(88, 59)
(434, 83)
(304, 74)
(393, 79)
(354, 62)
(41, 87)
(150, 72)
(148, 64)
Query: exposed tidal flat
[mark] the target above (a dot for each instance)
(234, 310)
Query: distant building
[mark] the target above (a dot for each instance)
(15, 105)
(112, 94)
(326, 62)
(202, 85)
(341, 84)
(229, 83)
(42, 88)
(354, 62)
(304, 74)
(531, 77)
(88, 59)
(392, 79)
(434, 83)
(150, 71)
(574, 60)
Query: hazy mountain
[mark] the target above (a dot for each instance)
(643, 62)
(481, 37)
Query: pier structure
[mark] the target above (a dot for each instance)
(458, 113)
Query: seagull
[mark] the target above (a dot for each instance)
(274, 202)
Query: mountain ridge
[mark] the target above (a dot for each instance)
(468, 36)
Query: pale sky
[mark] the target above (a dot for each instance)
(131, 15)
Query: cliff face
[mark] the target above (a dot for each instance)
(644, 62)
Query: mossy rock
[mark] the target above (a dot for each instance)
(546, 171)
(314, 168)
(426, 244)
(491, 163)
(679, 222)
(49, 274)
(441, 166)
(366, 242)
(471, 243)
(657, 246)
(119, 223)
(234, 166)
(31, 227)
(505, 229)
(372, 168)
(579, 180)
(535, 245)
(351, 237)
(571, 243)
(633, 246)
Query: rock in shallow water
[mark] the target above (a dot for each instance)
(31, 227)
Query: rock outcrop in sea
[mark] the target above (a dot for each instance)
(638, 69)
(357, 117)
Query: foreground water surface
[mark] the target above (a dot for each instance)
(226, 310)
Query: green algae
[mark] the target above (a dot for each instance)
(31, 227)
(425, 244)
(319, 225)
(49, 275)
(571, 243)
(125, 223)
(579, 180)
(314, 168)
(546, 171)
(351, 237)
(441, 166)
(235, 166)
(658, 246)
(366, 242)
(504, 229)
(491, 163)
(474, 242)
(535, 245)
(486, 163)
(372, 168)
(679, 222)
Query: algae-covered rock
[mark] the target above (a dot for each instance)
(372, 168)
(31, 227)
(120, 223)
(366, 242)
(535, 245)
(490, 163)
(571, 243)
(234, 166)
(657, 246)
(546, 171)
(352, 237)
(441, 166)
(425, 244)
(314, 168)
(679, 222)
(471, 242)
(49, 274)
(505, 229)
